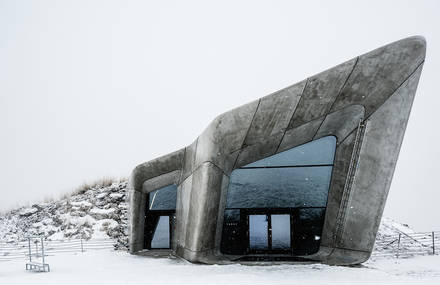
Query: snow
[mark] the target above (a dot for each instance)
(77, 221)
(28, 211)
(116, 195)
(82, 204)
(118, 267)
(101, 195)
(102, 211)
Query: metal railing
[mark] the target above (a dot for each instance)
(407, 245)
(19, 250)
(400, 245)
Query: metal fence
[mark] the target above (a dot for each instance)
(407, 245)
(400, 245)
(19, 250)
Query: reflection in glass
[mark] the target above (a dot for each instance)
(279, 187)
(161, 237)
(164, 198)
(290, 189)
(258, 232)
(316, 152)
(280, 232)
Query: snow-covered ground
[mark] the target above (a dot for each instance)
(118, 267)
(101, 212)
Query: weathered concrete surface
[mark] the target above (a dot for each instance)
(137, 201)
(380, 149)
(341, 123)
(224, 137)
(380, 72)
(269, 123)
(300, 135)
(274, 113)
(376, 88)
(320, 93)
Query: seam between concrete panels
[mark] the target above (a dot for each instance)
(182, 165)
(337, 96)
(183, 178)
(247, 133)
(392, 93)
(357, 250)
(201, 164)
(299, 102)
(293, 114)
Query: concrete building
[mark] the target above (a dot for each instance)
(301, 174)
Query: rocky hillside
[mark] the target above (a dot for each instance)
(98, 212)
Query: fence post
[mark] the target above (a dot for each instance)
(398, 245)
(82, 248)
(433, 243)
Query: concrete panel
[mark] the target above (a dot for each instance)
(269, 124)
(221, 214)
(274, 113)
(203, 213)
(320, 93)
(299, 135)
(380, 72)
(156, 167)
(224, 137)
(161, 181)
(189, 160)
(182, 210)
(343, 155)
(266, 147)
(378, 156)
(342, 256)
(341, 123)
(137, 201)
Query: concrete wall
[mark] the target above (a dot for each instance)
(364, 102)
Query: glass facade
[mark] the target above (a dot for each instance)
(160, 217)
(277, 204)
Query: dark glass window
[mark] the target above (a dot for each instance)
(279, 187)
(277, 204)
(316, 152)
(160, 217)
(164, 198)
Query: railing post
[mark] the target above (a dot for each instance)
(42, 248)
(433, 243)
(30, 251)
(82, 248)
(398, 246)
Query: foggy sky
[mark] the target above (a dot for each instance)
(93, 88)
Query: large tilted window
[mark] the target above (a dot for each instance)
(277, 204)
(159, 217)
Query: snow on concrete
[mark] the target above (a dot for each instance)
(118, 267)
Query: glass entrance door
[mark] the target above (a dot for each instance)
(280, 229)
(269, 233)
(258, 232)
(161, 236)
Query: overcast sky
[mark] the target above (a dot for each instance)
(93, 88)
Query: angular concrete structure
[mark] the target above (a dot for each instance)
(301, 174)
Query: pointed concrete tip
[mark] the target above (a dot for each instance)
(418, 42)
